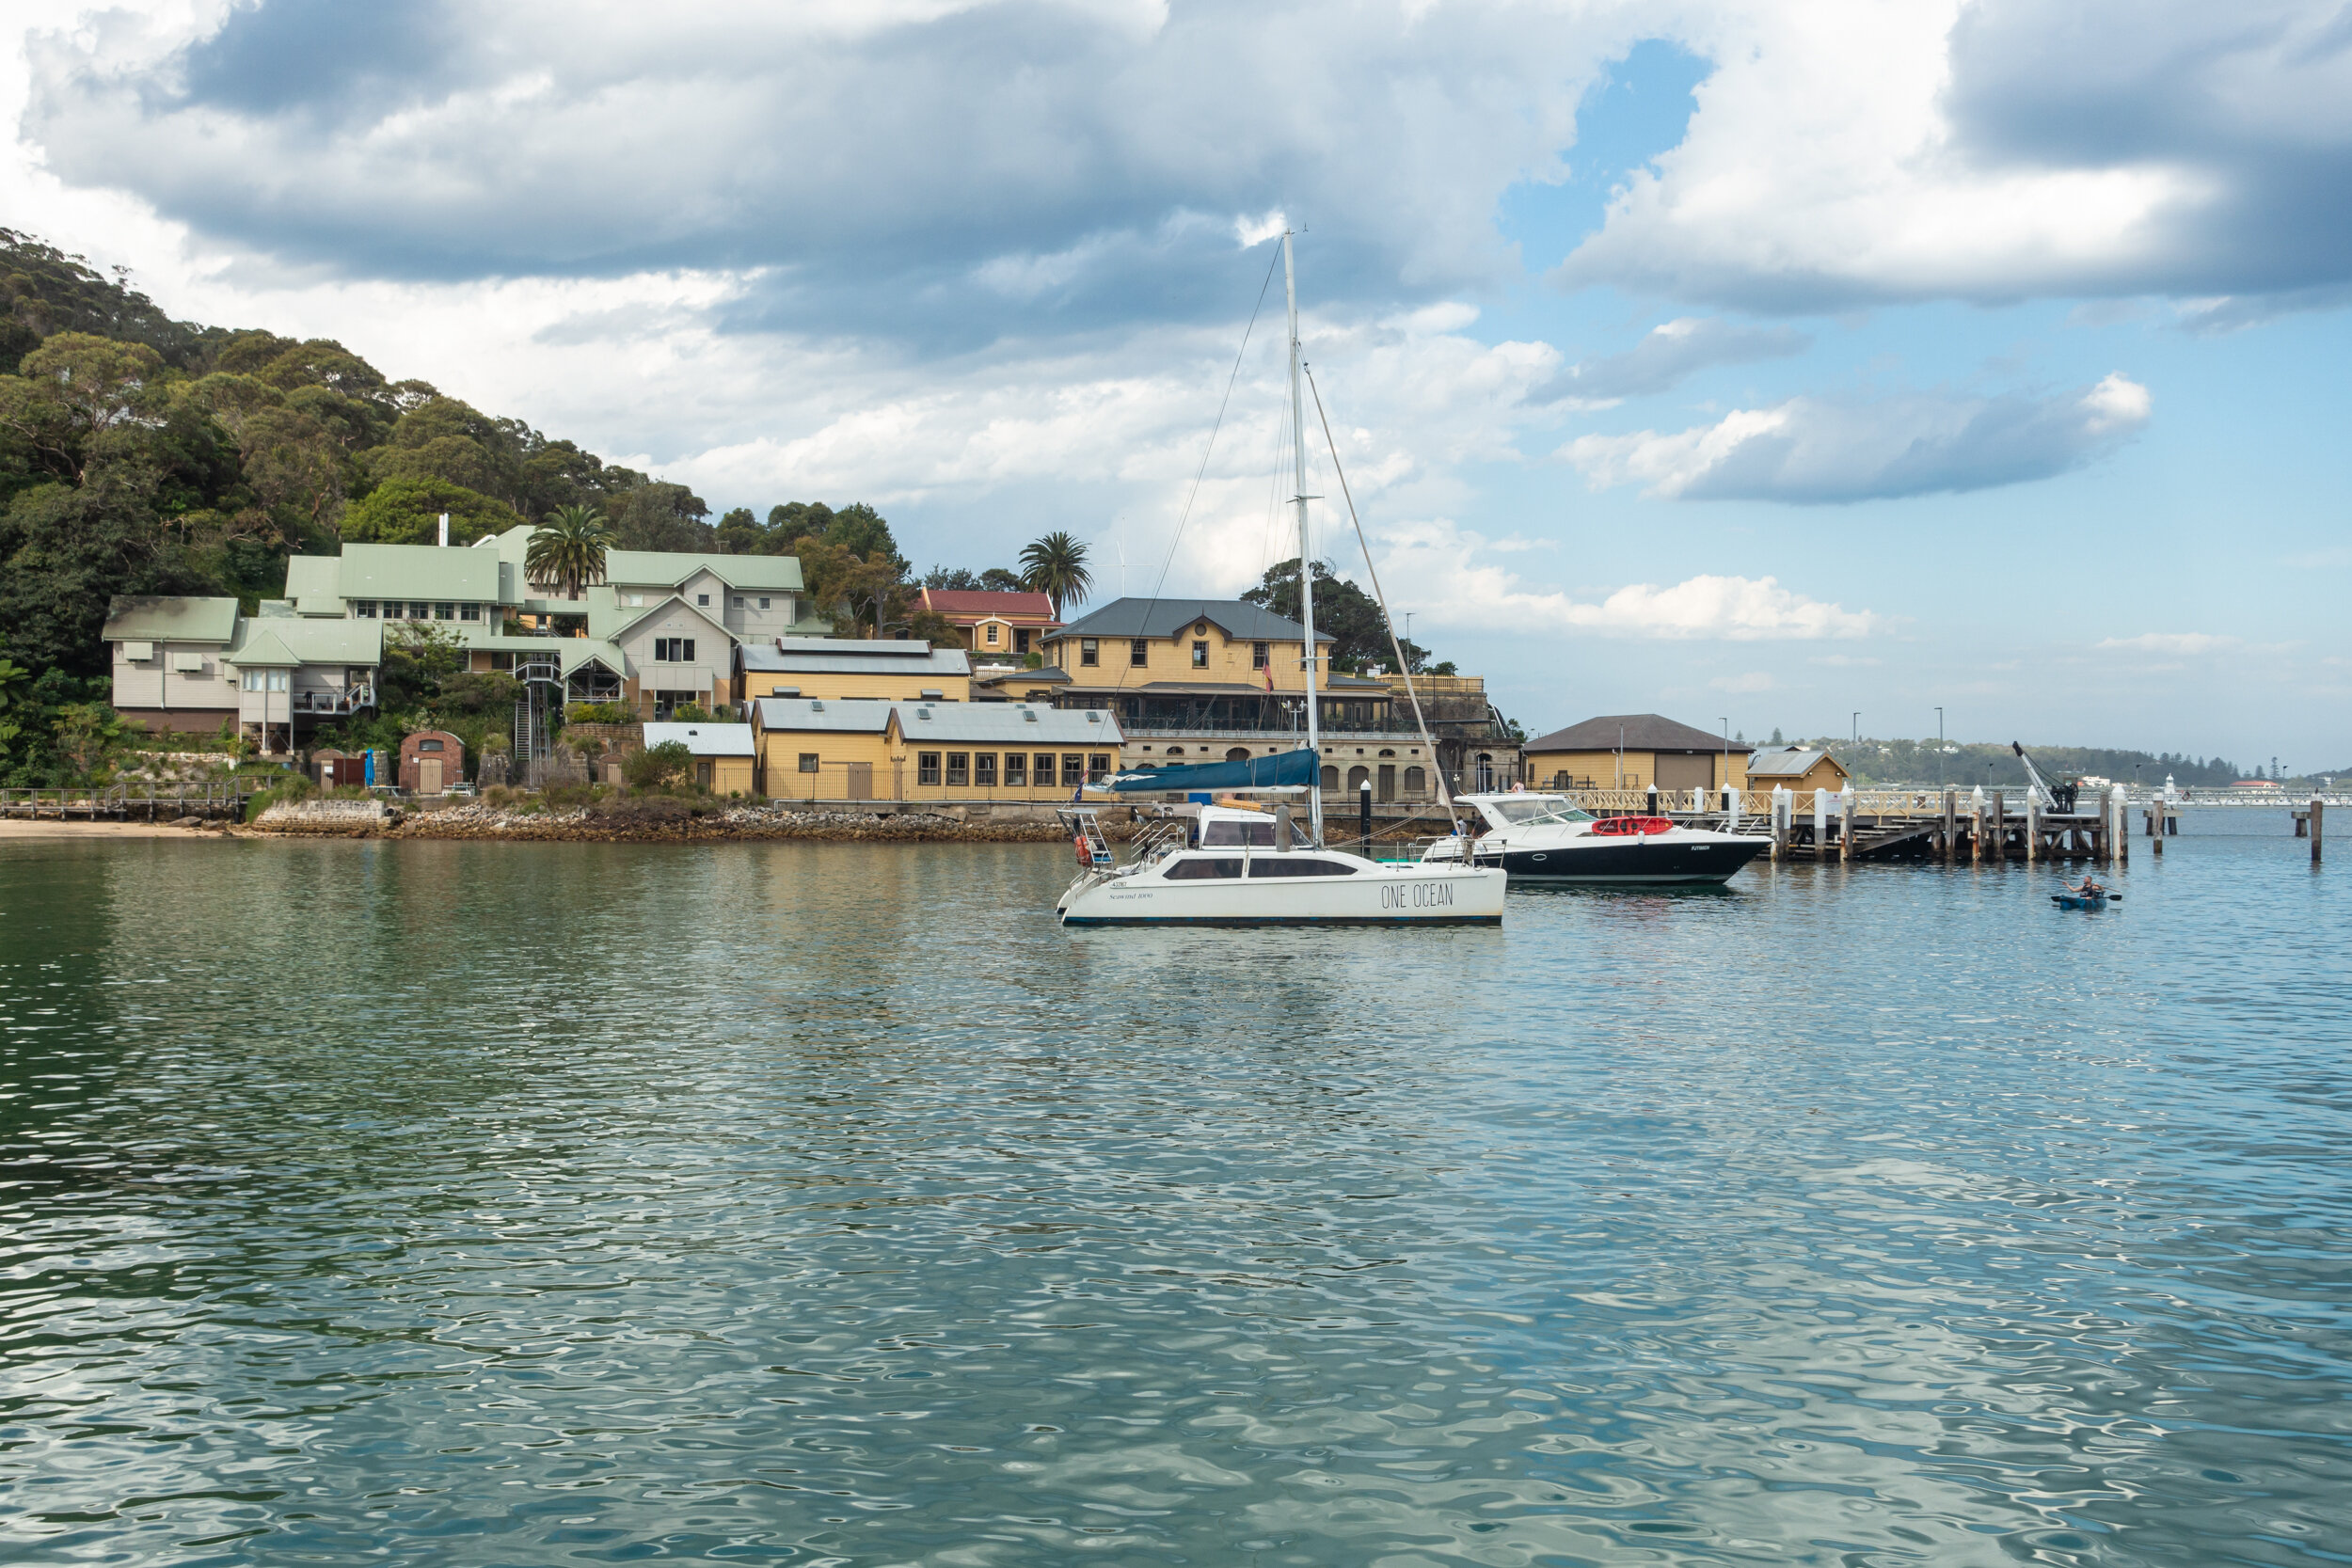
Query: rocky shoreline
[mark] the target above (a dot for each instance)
(652, 819)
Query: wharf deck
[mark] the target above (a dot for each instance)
(122, 803)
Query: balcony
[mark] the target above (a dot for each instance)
(334, 704)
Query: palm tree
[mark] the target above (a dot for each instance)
(1055, 566)
(568, 550)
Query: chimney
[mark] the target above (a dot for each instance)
(444, 531)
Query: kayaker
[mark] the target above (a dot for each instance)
(2090, 888)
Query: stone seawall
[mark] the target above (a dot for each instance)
(660, 819)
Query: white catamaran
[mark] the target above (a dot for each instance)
(1235, 864)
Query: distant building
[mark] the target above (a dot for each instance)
(1006, 625)
(1802, 769)
(819, 749)
(431, 761)
(1635, 751)
(883, 667)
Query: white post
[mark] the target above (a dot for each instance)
(2033, 826)
(1845, 823)
(444, 531)
(1820, 822)
(1731, 809)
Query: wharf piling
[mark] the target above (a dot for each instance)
(2319, 814)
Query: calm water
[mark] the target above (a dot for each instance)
(493, 1204)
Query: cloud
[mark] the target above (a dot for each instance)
(1755, 680)
(1664, 358)
(937, 170)
(1811, 451)
(1995, 150)
(1450, 584)
(2173, 643)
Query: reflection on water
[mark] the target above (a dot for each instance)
(489, 1204)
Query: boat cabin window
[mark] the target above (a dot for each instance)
(1299, 866)
(1535, 808)
(1216, 836)
(1192, 868)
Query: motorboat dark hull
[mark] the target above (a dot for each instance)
(1627, 860)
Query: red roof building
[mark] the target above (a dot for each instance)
(1005, 624)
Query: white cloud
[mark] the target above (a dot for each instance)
(1755, 680)
(1814, 451)
(1439, 566)
(1666, 355)
(1844, 153)
(2173, 643)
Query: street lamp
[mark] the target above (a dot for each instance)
(1857, 727)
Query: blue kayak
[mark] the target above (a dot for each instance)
(2078, 901)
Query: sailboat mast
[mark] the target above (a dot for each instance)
(1306, 558)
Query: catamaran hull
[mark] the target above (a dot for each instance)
(1467, 897)
(1627, 861)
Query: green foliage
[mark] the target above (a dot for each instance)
(418, 658)
(44, 291)
(408, 512)
(1344, 611)
(1996, 766)
(597, 713)
(662, 517)
(996, 579)
(567, 552)
(688, 713)
(290, 787)
(657, 768)
(1055, 566)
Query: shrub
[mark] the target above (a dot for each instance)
(597, 713)
(690, 713)
(658, 766)
(290, 787)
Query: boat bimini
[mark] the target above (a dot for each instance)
(1547, 838)
(1234, 865)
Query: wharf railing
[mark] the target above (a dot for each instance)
(121, 802)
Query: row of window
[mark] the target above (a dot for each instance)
(980, 769)
(263, 680)
(1211, 867)
(1139, 653)
(396, 609)
(673, 650)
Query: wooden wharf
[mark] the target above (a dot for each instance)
(1887, 824)
(122, 803)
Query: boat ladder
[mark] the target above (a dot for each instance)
(1098, 847)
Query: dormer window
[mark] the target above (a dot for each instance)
(1201, 656)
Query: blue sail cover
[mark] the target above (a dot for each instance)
(1290, 769)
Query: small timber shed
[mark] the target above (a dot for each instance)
(723, 753)
(1633, 751)
(1802, 769)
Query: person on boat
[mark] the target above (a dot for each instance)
(2089, 888)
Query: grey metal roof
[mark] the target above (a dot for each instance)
(827, 655)
(1641, 731)
(1048, 675)
(1788, 762)
(153, 618)
(1005, 725)
(704, 740)
(1170, 618)
(840, 715)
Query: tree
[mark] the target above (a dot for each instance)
(663, 767)
(739, 532)
(660, 517)
(951, 579)
(1344, 611)
(567, 551)
(1055, 566)
(88, 736)
(100, 385)
(408, 512)
(997, 579)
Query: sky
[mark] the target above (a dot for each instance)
(1812, 366)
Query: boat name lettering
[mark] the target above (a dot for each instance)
(1416, 896)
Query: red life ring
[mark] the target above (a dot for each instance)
(1630, 827)
(1085, 851)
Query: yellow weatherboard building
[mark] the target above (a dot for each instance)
(853, 748)
(827, 667)
(1635, 751)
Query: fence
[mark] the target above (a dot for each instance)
(121, 801)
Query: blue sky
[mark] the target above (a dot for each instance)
(1734, 360)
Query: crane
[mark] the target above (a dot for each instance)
(2048, 796)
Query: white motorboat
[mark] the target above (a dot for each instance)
(1231, 865)
(1548, 838)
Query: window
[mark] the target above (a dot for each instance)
(1415, 781)
(673, 650)
(808, 762)
(419, 612)
(959, 769)
(1201, 656)
(1089, 652)
(984, 769)
(1016, 770)
(763, 604)
(470, 613)
(927, 768)
(364, 609)
(1260, 656)
(739, 601)
(264, 680)
(1019, 640)
(1139, 653)
(992, 634)
(1217, 835)
(1098, 768)
(1041, 770)
(428, 745)
(1073, 770)
(703, 599)
(1299, 866)
(1194, 868)
(1330, 778)
(445, 613)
